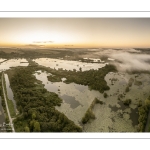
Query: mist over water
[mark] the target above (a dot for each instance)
(131, 62)
(128, 59)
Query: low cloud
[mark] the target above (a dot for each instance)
(34, 46)
(69, 45)
(129, 61)
(115, 51)
(43, 42)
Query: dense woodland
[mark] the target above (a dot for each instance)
(36, 105)
(40, 53)
(93, 78)
(143, 110)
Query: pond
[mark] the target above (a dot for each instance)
(113, 115)
(9, 91)
(70, 100)
(68, 65)
(7, 64)
(76, 98)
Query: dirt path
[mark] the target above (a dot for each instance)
(10, 119)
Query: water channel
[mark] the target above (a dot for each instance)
(5, 65)
(9, 91)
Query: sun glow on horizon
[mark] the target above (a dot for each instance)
(75, 32)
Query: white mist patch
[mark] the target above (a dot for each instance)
(132, 50)
(1, 60)
(131, 61)
(111, 59)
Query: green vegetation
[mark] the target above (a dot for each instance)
(36, 105)
(113, 80)
(131, 80)
(54, 78)
(11, 108)
(26, 129)
(105, 95)
(1, 94)
(89, 113)
(40, 53)
(120, 96)
(143, 114)
(93, 78)
(138, 83)
(140, 103)
(127, 89)
(127, 102)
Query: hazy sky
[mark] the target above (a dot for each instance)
(75, 32)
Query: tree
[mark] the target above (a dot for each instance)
(149, 129)
(127, 89)
(140, 103)
(36, 127)
(26, 129)
(127, 102)
(33, 115)
(105, 95)
(147, 103)
(80, 69)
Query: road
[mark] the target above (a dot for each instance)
(10, 119)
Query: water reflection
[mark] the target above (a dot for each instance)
(113, 115)
(7, 64)
(55, 87)
(68, 65)
(80, 87)
(70, 100)
(9, 91)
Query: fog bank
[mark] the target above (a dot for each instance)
(126, 61)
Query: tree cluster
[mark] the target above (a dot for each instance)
(36, 105)
(127, 102)
(89, 113)
(93, 78)
(143, 111)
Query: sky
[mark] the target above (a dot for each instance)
(75, 32)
